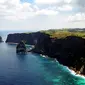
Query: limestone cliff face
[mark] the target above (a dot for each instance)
(69, 51)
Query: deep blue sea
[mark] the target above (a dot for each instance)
(32, 69)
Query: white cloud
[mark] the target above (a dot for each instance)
(77, 17)
(41, 13)
(2, 1)
(13, 1)
(26, 7)
(52, 1)
(47, 1)
(36, 23)
(15, 10)
(20, 16)
(68, 1)
(65, 8)
(46, 12)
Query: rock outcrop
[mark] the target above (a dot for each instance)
(21, 48)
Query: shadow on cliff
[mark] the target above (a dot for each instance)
(69, 51)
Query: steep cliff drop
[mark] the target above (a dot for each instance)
(69, 51)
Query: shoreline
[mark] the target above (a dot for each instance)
(16, 43)
(74, 73)
(11, 43)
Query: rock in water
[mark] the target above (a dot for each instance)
(21, 48)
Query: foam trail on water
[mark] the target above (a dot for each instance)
(73, 72)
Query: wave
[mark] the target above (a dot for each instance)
(70, 70)
(45, 56)
(75, 74)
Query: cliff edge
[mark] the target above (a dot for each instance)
(69, 51)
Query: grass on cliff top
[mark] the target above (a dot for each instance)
(64, 33)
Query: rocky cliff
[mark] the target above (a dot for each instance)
(31, 38)
(69, 51)
(1, 39)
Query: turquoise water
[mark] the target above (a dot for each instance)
(32, 69)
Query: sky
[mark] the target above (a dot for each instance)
(41, 14)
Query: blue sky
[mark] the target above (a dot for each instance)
(41, 14)
(29, 1)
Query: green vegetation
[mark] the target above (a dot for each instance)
(62, 33)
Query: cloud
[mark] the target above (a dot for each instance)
(65, 8)
(77, 17)
(39, 22)
(40, 13)
(52, 1)
(46, 12)
(47, 1)
(81, 5)
(68, 1)
(15, 10)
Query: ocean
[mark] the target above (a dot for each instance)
(32, 68)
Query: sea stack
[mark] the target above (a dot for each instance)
(21, 48)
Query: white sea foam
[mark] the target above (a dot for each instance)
(71, 71)
(45, 56)
(42, 55)
(74, 73)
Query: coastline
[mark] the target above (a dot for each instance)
(11, 43)
(74, 73)
(44, 56)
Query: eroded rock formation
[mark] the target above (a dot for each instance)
(21, 48)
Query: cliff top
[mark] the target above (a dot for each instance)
(63, 33)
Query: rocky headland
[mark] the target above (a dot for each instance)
(69, 51)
